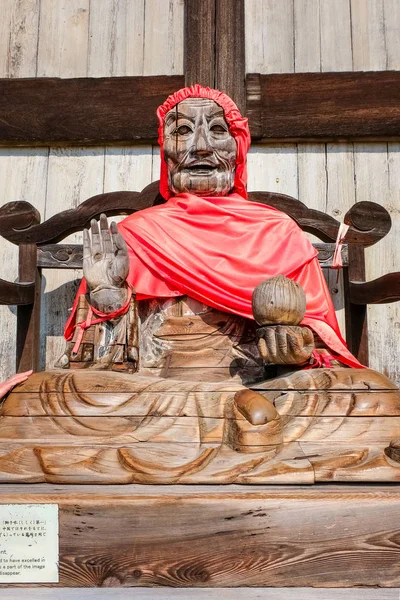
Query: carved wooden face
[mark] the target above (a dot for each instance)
(199, 150)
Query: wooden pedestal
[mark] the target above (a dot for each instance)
(324, 535)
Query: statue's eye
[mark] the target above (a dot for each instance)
(182, 130)
(218, 129)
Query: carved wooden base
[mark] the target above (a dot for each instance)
(94, 427)
(231, 536)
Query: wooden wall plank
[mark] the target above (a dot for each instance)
(378, 174)
(127, 169)
(269, 36)
(368, 35)
(163, 43)
(63, 38)
(391, 10)
(336, 51)
(116, 38)
(273, 168)
(22, 37)
(307, 36)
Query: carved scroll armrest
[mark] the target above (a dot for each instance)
(383, 290)
(16, 293)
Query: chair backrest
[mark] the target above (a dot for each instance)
(40, 247)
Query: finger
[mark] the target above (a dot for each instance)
(23, 376)
(281, 342)
(296, 348)
(96, 249)
(308, 336)
(105, 235)
(270, 341)
(120, 246)
(262, 347)
(18, 378)
(86, 246)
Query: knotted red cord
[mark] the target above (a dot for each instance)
(101, 317)
(320, 361)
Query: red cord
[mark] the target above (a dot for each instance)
(101, 317)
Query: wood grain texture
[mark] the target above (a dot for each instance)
(379, 291)
(48, 110)
(63, 38)
(23, 173)
(327, 536)
(69, 256)
(230, 50)
(87, 427)
(200, 42)
(289, 107)
(164, 593)
(327, 106)
(369, 222)
(19, 31)
(16, 293)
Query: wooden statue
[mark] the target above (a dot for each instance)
(159, 386)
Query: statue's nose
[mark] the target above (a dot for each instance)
(202, 145)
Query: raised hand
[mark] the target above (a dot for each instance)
(285, 344)
(105, 256)
(105, 264)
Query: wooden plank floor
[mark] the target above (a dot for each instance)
(203, 594)
(326, 535)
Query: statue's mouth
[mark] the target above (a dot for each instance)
(200, 168)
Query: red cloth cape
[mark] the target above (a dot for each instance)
(217, 249)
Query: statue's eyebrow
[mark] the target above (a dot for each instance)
(220, 113)
(175, 116)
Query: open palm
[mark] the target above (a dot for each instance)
(105, 256)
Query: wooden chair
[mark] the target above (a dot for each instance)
(40, 247)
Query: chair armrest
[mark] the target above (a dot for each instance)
(16, 293)
(383, 290)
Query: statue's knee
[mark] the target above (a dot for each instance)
(254, 407)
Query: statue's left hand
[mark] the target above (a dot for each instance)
(285, 344)
(6, 386)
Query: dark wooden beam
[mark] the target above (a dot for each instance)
(28, 317)
(82, 111)
(200, 42)
(117, 110)
(383, 290)
(230, 68)
(16, 293)
(324, 106)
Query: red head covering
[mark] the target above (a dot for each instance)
(237, 124)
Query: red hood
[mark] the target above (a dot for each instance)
(237, 124)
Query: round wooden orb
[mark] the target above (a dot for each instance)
(278, 301)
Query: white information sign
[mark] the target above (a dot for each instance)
(28, 543)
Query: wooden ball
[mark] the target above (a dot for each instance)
(279, 301)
